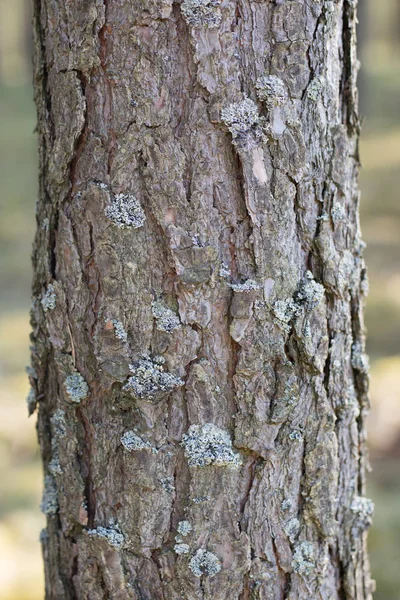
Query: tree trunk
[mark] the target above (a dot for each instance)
(198, 356)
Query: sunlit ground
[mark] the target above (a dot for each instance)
(20, 472)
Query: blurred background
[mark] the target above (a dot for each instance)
(20, 470)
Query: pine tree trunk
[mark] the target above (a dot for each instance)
(198, 348)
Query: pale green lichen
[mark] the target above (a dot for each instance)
(119, 330)
(184, 528)
(359, 360)
(204, 563)
(125, 211)
(58, 423)
(182, 548)
(54, 465)
(49, 504)
(363, 508)
(240, 117)
(112, 536)
(31, 401)
(311, 293)
(209, 445)
(271, 90)
(296, 435)
(304, 558)
(198, 241)
(286, 504)
(315, 88)
(308, 297)
(48, 300)
(292, 529)
(102, 185)
(285, 311)
(202, 13)
(167, 483)
(149, 380)
(43, 536)
(166, 319)
(338, 212)
(224, 271)
(31, 372)
(247, 286)
(200, 499)
(131, 442)
(76, 387)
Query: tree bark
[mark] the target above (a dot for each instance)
(198, 344)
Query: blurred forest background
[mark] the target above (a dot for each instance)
(20, 470)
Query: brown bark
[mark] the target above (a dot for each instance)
(198, 347)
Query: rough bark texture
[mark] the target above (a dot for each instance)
(198, 348)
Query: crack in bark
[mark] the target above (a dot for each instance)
(349, 108)
(86, 462)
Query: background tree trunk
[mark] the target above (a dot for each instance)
(198, 353)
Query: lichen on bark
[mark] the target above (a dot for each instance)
(198, 352)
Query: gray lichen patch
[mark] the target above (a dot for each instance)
(58, 423)
(202, 13)
(131, 442)
(292, 529)
(240, 117)
(182, 548)
(224, 271)
(359, 360)
(167, 483)
(149, 380)
(338, 212)
(296, 435)
(271, 90)
(285, 311)
(311, 293)
(209, 445)
(49, 504)
(247, 286)
(304, 558)
(363, 508)
(166, 319)
(200, 499)
(184, 528)
(112, 536)
(31, 372)
(119, 330)
(76, 387)
(125, 211)
(48, 300)
(308, 297)
(31, 401)
(54, 466)
(315, 88)
(204, 563)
